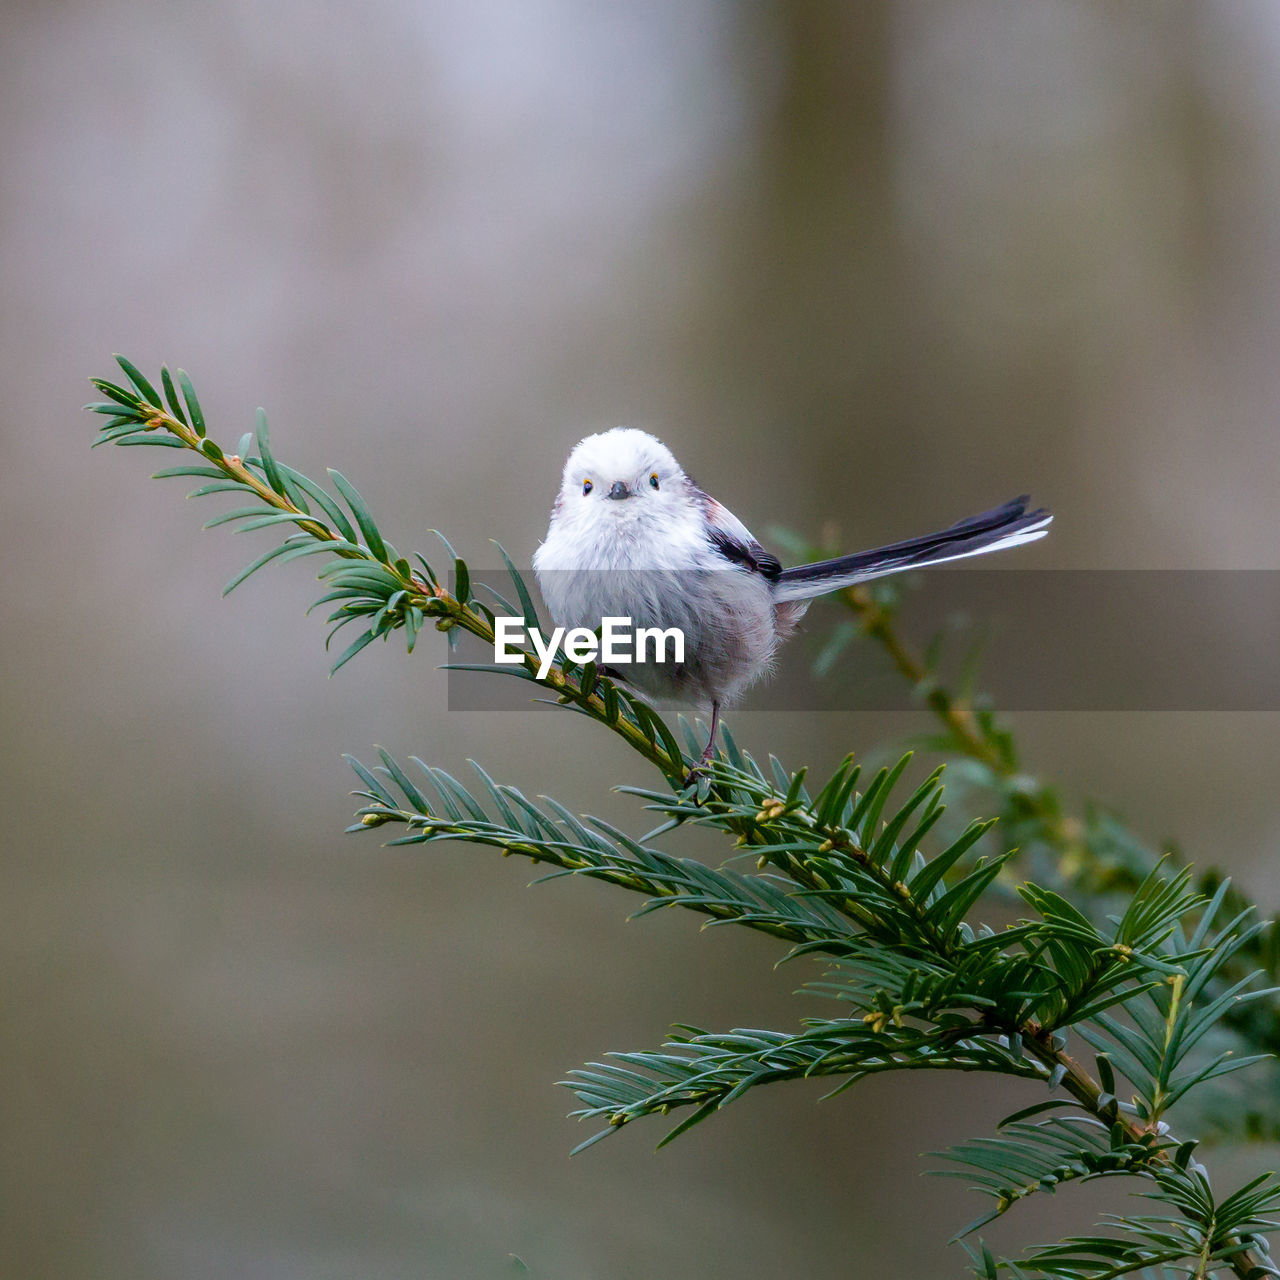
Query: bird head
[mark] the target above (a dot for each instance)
(622, 474)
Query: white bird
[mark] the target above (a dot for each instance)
(631, 535)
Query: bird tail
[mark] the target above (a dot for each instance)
(1008, 526)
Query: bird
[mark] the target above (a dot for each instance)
(632, 535)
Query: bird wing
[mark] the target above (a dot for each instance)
(733, 540)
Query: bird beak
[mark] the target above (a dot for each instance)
(618, 490)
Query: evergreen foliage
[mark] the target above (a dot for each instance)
(1126, 988)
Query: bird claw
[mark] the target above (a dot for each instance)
(700, 774)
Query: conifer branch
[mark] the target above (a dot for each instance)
(840, 872)
(370, 578)
(929, 991)
(1096, 856)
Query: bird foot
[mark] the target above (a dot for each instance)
(700, 769)
(708, 752)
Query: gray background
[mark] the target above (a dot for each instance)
(863, 266)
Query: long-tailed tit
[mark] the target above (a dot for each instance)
(632, 536)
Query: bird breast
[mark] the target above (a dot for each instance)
(588, 571)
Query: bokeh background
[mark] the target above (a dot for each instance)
(869, 266)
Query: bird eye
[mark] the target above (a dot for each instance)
(586, 487)
(653, 479)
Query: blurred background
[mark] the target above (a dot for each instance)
(869, 267)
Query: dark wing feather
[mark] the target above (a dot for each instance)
(752, 554)
(733, 540)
